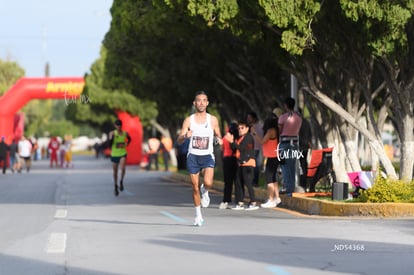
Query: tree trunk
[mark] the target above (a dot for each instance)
(375, 144)
(407, 150)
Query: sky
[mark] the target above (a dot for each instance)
(67, 34)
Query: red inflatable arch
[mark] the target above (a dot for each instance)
(66, 88)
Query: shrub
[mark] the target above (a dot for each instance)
(385, 190)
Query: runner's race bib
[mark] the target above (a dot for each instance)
(120, 145)
(200, 143)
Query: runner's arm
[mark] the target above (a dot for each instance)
(128, 138)
(185, 131)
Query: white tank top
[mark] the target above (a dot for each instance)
(201, 142)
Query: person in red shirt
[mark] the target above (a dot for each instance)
(269, 144)
(53, 148)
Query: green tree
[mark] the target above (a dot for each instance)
(98, 104)
(381, 33)
(165, 55)
(10, 72)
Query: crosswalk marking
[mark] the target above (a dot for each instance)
(61, 213)
(56, 243)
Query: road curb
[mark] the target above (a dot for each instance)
(311, 206)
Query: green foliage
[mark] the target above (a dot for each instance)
(102, 102)
(295, 19)
(384, 22)
(10, 72)
(220, 11)
(160, 53)
(58, 128)
(46, 118)
(38, 113)
(385, 190)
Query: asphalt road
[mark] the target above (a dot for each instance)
(67, 221)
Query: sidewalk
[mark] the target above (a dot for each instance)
(310, 206)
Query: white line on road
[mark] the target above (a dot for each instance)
(128, 193)
(277, 270)
(56, 243)
(174, 217)
(61, 213)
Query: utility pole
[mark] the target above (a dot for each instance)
(294, 95)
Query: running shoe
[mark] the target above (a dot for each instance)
(224, 205)
(205, 199)
(198, 221)
(278, 201)
(269, 204)
(239, 206)
(252, 206)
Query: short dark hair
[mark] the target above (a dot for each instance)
(290, 103)
(200, 93)
(233, 129)
(253, 115)
(118, 122)
(243, 122)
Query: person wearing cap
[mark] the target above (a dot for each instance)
(119, 140)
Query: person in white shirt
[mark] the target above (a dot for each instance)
(25, 152)
(201, 128)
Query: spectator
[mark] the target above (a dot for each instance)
(25, 153)
(97, 149)
(53, 149)
(269, 146)
(181, 153)
(165, 149)
(68, 153)
(154, 147)
(254, 123)
(229, 166)
(246, 161)
(62, 152)
(14, 156)
(4, 148)
(289, 126)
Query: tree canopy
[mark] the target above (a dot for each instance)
(353, 60)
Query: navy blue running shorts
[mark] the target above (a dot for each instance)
(196, 163)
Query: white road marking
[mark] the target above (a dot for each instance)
(173, 217)
(56, 243)
(128, 193)
(61, 213)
